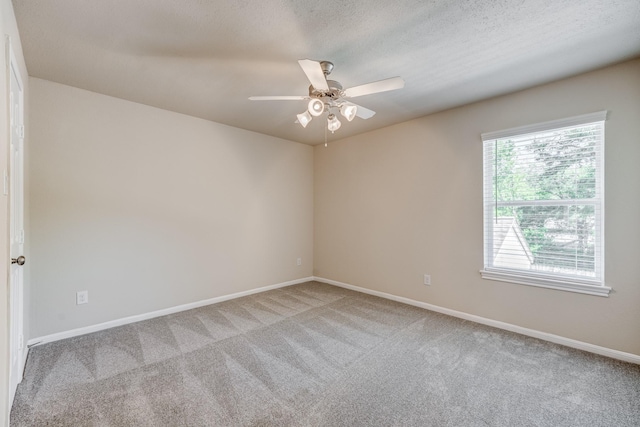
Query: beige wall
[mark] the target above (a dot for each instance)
(148, 209)
(394, 204)
(7, 27)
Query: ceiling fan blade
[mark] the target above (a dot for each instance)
(363, 113)
(375, 87)
(278, 98)
(314, 73)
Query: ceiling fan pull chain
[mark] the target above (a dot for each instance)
(325, 135)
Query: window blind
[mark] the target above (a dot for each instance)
(543, 204)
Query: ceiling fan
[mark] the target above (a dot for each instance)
(329, 96)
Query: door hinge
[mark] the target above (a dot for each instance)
(21, 131)
(21, 237)
(20, 341)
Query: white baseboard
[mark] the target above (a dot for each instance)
(170, 310)
(580, 345)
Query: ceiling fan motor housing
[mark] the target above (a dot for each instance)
(334, 92)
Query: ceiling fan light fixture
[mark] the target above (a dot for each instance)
(304, 118)
(333, 124)
(329, 95)
(316, 107)
(349, 111)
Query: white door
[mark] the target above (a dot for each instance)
(16, 225)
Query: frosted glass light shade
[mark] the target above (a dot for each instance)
(304, 118)
(316, 107)
(349, 111)
(333, 124)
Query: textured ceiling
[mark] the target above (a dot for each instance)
(205, 58)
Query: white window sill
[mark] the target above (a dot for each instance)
(582, 287)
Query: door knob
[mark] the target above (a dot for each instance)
(20, 260)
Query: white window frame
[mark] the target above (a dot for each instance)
(584, 285)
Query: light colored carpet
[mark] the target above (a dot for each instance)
(318, 355)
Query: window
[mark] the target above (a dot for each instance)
(543, 205)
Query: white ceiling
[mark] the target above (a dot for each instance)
(205, 58)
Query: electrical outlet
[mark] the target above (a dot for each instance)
(299, 261)
(82, 297)
(427, 279)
